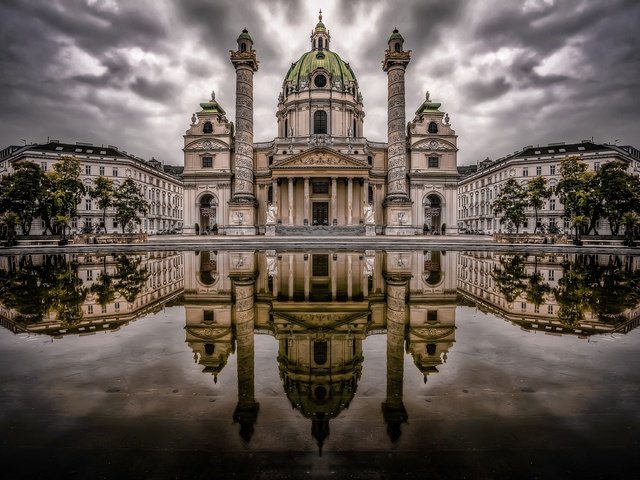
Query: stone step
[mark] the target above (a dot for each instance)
(341, 230)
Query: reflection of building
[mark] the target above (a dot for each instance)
(107, 291)
(530, 291)
(320, 170)
(160, 187)
(478, 190)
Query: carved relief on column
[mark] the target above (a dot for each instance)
(246, 411)
(395, 64)
(393, 407)
(243, 186)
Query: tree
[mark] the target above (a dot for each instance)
(578, 191)
(20, 192)
(104, 192)
(629, 220)
(63, 192)
(511, 202)
(618, 193)
(129, 203)
(510, 277)
(8, 223)
(537, 193)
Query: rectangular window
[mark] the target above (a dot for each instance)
(207, 316)
(87, 169)
(550, 309)
(43, 165)
(115, 172)
(89, 274)
(90, 309)
(87, 204)
(536, 309)
(207, 162)
(538, 171)
(525, 172)
(552, 204)
(551, 274)
(102, 171)
(434, 162)
(116, 306)
(104, 309)
(523, 306)
(525, 224)
(432, 315)
(320, 265)
(552, 169)
(115, 223)
(270, 195)
(320, 188)
(596, 166)
(370, 195)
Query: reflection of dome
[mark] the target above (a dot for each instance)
(320, 59)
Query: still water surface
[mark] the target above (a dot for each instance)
(323, 364)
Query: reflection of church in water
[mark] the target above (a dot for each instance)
(320, 173)
(320, 307)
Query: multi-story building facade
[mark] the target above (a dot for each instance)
(320, 172)
(478, 190)
(162, 190)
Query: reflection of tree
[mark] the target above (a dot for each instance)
(510, 277)
(35, 290)
(130, 277)
(536, 288)
(104, 288)
(607, 290)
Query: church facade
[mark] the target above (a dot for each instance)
(320, 174)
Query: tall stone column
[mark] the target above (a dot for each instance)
(393, 407)
(397, 202)
(246, 412)
(334, 200)
(307, 198)
(349, 201)
(290, 200)
(242, 207)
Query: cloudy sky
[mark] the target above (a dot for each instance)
(131, 73)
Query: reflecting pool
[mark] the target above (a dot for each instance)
(319, 364)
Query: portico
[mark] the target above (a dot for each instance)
(319, 187)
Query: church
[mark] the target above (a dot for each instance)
(320, 175)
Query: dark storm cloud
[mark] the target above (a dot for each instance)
(122, 72)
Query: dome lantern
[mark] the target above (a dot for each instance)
(320, 35)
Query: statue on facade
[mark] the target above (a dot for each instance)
(369, 214)
(368, 266)
(272, 266)
(272, 214)
(194, 119)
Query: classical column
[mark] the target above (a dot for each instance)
(242, 207)
(307, 216)
(290, 200)
(349, 277)
(246, 412)
(334, 200)
(334, 277)
(291, 276)
(307, 278)
(397, 201)
(365, 191)
(274, 189)
(393, 407)
(349, 201)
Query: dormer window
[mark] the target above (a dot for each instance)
(433, 127)
(207, 127)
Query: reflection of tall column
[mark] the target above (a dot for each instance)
(393, 407)
(349, 277)
(242, 205)
(334, 277)
(307, 215)
(334, 199)
(246, 411)
(307, 278)
(291, 277)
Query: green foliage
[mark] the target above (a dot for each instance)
(510, 277)
(62, 193)
(8, 223)
(620, 193)
(104, 192)
(130, 204)
(579, 193)
(19, 193)
(537, 193)
(511, 203)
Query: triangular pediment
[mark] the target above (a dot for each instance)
(320, 158)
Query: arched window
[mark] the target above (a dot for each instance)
(243, 47)
(355, 134)
(286, 127)
(320, 352)
(433, 127)
(207, 127)
(320, 44)
(320, 122)
(397, 46)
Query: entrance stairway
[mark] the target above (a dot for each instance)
(343, 230)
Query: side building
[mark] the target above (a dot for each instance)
(161, 185)
(478, 189)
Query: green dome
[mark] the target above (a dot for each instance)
(315, 59)
(396, 35)
(320, 27)
(245, 35)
